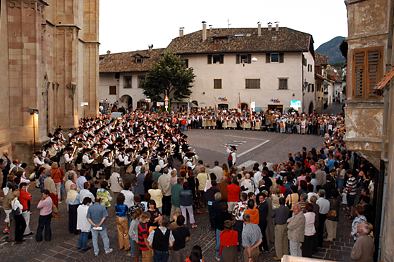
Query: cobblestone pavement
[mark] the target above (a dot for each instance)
(209, 145)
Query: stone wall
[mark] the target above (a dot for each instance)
(43, 47)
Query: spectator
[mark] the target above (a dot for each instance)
(228, 243)
(44, 221)
(160, 240)
(181, 235)
(364, 248)
(310, 231)
(122, 223)
(296, 230)
(251, 239)
(83, 224)
(280, 217)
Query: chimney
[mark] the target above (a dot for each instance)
(204, 31)
(181, 31)
(258, 28)
(276, 26)
(269, 26)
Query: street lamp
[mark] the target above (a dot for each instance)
(33, 112)
(83, 105)
(166, 102)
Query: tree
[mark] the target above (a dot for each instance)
(169, 76)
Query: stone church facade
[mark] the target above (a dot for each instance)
(49, 68)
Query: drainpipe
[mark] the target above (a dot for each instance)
(384, 163)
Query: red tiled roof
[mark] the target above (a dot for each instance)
(231, 40)
(385, 80)
(126, 61)
(320, 59)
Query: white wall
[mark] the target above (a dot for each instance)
(309, 77)
(233, 80)
(108, 79)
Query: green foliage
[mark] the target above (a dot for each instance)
(169, 76)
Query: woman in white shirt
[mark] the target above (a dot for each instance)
(20, 224)
(310, 231)
(83, 223)
(157, 195)
(247, 184)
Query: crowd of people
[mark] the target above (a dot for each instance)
(141, 169)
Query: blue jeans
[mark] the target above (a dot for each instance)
(104, 237)
(83, 240)
(133, 248)
(217, 234)
(160, 256)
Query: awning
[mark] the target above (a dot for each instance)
(385, 80)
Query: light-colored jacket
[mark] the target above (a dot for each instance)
(82, 221)
(296, 227)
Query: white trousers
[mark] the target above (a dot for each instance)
(190, 211)
(26, 216)
(295, 248)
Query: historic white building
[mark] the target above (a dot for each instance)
(121, 75)
(260, 68)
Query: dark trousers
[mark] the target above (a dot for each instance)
(210, 213)
(72, 219)
(239, 225)
(308, 246)
(230, 163)
(20, 226)
(160, 256)
(5, 176)
(44, 222)
(166, 208)
(83, 240)
(320, 229)
(264, 244)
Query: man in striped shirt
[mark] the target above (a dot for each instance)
(351, 187)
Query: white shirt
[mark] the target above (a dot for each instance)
(257, 177)
(67, 158)
(82, 220)
(85, 193)
(126, 160)
(37, 161)
(129, 198)
(115, 182)
(310, 224)
(247, 183)
(106, 162)
(218, 171)
(324, 205)
(86, 160)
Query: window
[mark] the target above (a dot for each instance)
(138, 59)
(309, 87)
(252, 83)
(141, 79)
(112, 90)
(283, 84)
(274, 58)
(367, 70)
(244, 58)
(309, 68)
(216, 59)
(127, 82)
(313, 87)
(217, 83)
(185, 62)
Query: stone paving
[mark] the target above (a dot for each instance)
(63, 244)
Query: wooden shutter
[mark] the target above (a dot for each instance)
(281, 58)
(237, 59)
(359, 73)
(209, 59)
(374, 58)
(267, 57)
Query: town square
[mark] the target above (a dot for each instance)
(173, 131)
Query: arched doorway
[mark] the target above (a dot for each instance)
(244, 107)
(311, 108)
(127, 101)
(223, 106)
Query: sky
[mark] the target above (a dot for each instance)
(127, 25)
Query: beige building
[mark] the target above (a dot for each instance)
(49, 65)
(237, 67)
(266, 68)
(121, 75)
(370, 105)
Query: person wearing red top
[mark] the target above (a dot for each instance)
(228, 243)
(24, 199)
(233, 191)
(57, 175)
